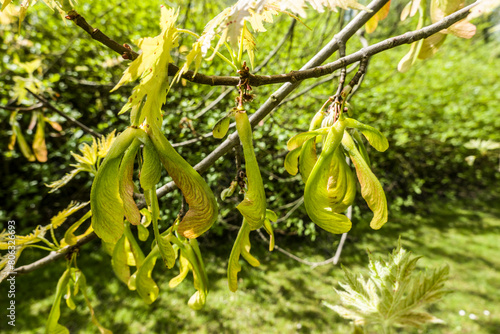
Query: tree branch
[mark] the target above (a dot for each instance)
(69, 118)
(263, 111)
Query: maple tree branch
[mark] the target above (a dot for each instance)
(310, 68)
(268, 106)
(293, 76)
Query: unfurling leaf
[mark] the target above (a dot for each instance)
(220, 128)
(151, 67)
(105, 201)
(253, 206)
(316, 197)
(371, 190)
(203, 210)
(61, 216)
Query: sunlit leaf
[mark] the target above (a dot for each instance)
(52, 326)
(220, 128)
(151, 67)
(69, 235)
(105, 201)
(119, 260)
(184, 270)
(292, 161)
(203, 209)
(299, 139)
(166, 250)
(371, 190)
(374, 137)
(253, 206)
(151, 167)
(17, 132)
(146, 286)
(61, 217)
(126, 184)
(372, 23)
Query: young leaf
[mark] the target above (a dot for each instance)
(371, 190)
(184, 270)
(61, 216)
(126, 184)
(253, 206)
(105, 201)
(316, 198)
(119, 260)
(151, 67)
(234, 266)
(374, 137)
(292, 161)
(203, 210)
(151, 168)
(220, 128)
(166, 250)
(146, 286)
(39, 147)
(299, 139)
(69, 235)
(52, 326)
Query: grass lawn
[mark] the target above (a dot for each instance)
(282, 295)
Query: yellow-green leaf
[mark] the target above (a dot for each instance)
(371, 190)
(52, 326)
(292, 161)
(119, 260)
(299, 139)
(151, 167)
(146, 286)
(39, 146)
(220, 128)
(184, 270)
(316, 199)
(69, 235)
(126, 184)
(105, 201)
(253, 206)
(203, 210)
(151, 67)
(166, 250)
(374, 137)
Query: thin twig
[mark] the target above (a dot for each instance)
(23, 109)
(69, 118)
